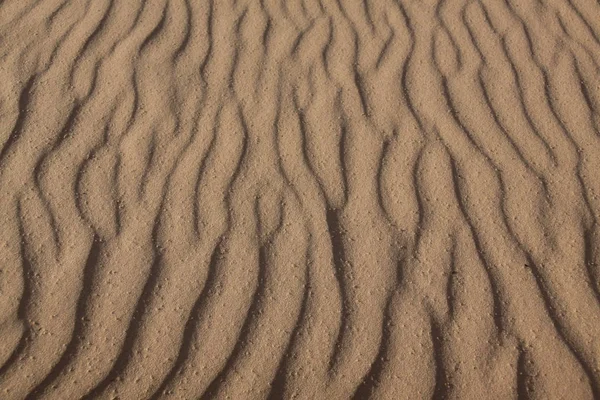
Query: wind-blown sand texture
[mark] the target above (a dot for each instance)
(307, 199)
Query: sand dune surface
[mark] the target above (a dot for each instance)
(299, 199)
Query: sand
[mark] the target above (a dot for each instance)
(299, 199)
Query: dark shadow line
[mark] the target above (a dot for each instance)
(248, 327)
(196, 315)
(157, 29)
(26, 296)
(335, 231)
(134, 327)
(188, 32)
(72, 349)
(15, 134)
(552, 312)
(443, 386)
(278, 384)
(498, 316)
(372, 378)
(202, 170)
(524, 376)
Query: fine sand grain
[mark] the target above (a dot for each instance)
(299, 199)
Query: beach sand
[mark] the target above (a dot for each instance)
(299, 199)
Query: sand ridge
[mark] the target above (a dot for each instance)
(311, 199)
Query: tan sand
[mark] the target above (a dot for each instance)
(299, 199)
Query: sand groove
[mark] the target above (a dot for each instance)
(300, 199)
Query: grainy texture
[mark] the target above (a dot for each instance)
(300, 199)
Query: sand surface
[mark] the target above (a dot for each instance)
(299, 199)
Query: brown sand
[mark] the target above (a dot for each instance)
(308, 199)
